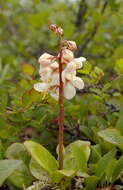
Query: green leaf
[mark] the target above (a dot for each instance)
(95, 153)
(1, 150)
(60, 174)
(119, 66)
(118, 169)
(112, 136)
(42, 156)
(103, 163)
(21, 176)
(17, 151)
(77, 155)
(119, 124)
(86, 69)
(109, 170)
(7, 167)
(29, 97)
(27, 68)
(106, 86)
(7, 131)
(91, 182)
(37, 171)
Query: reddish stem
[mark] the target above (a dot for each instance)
(61, 113)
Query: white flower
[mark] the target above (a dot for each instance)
(69, 72)
(70, 87)
(55, 93)
(79, 62)
(54, 65)
(45, 74)
(45, 59)
(55, 79)
(67, 56)
(71, 82)
(41, 86)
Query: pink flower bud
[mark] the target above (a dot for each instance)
(71, 45)
(53, 27)
(59, 31)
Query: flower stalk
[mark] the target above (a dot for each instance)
(61, 113)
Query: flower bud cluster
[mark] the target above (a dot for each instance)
(56, 29)
(49, 72)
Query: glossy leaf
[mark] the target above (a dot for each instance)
(118, 169)
(112, 136)
(37, 171)
(7, 167)
(21, 177)
(110, 169)
(103, 163)
(41, 156)
(77, 155)
(62, 174)
(17, 151)
(91, 182)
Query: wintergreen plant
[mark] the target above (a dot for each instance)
(58, 82)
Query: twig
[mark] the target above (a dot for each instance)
(80, 19)
(91, 35)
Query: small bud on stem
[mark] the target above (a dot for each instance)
(56, 29)
(71, 45)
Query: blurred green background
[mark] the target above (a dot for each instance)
(97, 28)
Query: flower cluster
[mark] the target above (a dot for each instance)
(49, 72)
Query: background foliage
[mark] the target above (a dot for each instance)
(96, 26)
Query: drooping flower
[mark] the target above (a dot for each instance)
(47, 66)
(67, 56)
(79, 62)
(41, 86)
(71, 81)
(45, 59)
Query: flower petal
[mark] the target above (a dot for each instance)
(54, 65)
(54, 79)
(78, 82)
(45, 74)
(44, 56)
(70, 68)
(69, 91)
(79, 62)
(54, 95)
(69, 72)
(40, 87)
(67, 56)
(45, 59)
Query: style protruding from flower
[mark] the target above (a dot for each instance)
(49, 72)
